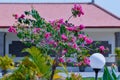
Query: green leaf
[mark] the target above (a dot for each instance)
(20, 35)
(76, 33)
(39, 59)
(49, 28)
(20, 20)
(107, 75)
(35, 14)
(27, 12)
(118, 78)
(62, 29)
(26, 21)
(113, 73)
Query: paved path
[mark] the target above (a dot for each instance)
(87, 74)
(83, 74)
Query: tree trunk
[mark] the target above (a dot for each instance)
(53, 71)
(55, 64)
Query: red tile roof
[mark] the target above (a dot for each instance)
(94, 17)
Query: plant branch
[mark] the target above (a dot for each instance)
(88, 48)
(55, 64)
(69, 18)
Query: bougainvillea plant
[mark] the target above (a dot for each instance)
(59, 37)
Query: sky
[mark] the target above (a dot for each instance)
(113, 6)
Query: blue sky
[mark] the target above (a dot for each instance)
(112, 6)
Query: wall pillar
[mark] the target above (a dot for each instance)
(117, 39)
(2, 43)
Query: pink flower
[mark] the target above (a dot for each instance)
(55, 44)
(73, 39)
(83, 45)
(75, 46)
(80, 36)
(52, 42)
(86, 61)
(36, 30)
(70, 28)
(22, 16)
(80, 63)
(64, 37)
(47, 35)
(77, 8)
(16, 16)
(76, 28)
(68, 60)
(73, 28)
(12, 29)
(88, 40)
(61, 60)
(69, 44)
(60, 21)
(64, 51)
(85, 37)
(52, 22)
(75, 64)
(58, 26)
(101, 48)
(81, 27)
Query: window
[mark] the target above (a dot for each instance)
(44, 1)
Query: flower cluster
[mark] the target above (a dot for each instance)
(85, 61)
(62, 37)
(17, 17)
(77, 10)
(12, 29)
(102, 49)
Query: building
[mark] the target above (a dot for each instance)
(100, 24)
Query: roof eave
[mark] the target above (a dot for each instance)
(86, 27)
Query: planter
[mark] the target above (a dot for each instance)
(118, 63)
(4, 72)
(118, 68)
(82, 68)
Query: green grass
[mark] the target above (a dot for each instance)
(91, 79)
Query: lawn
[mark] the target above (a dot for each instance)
(91, 79)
